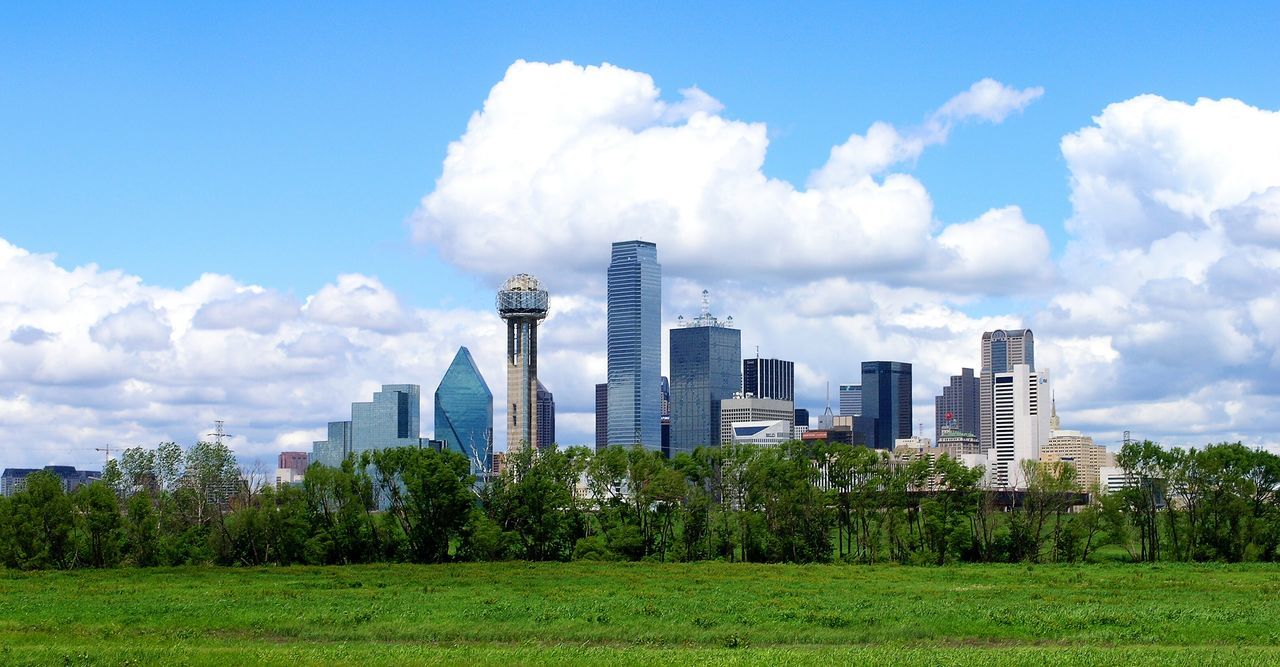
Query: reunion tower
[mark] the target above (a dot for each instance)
(522, 303)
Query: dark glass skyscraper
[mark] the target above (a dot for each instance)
(706, 365)
(1002, 349)
(634, 345)
(464, 410)
(602, 416)
(957, 408)
(886, 402)
(546, 417)
(769, 378)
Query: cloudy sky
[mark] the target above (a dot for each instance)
(260, 215)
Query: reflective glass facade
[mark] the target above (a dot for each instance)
(464, 410)
(390, 420)
(769, 378)
(706, 368)
(546, 417)
(634, 345)
(886, 402)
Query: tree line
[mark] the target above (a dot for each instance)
(797, 502)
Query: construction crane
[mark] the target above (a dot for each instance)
(106, 453)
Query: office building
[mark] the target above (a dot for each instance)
(390, 420)
(886, 403)
(14, 480)
(635, 345)
(464, 411)
(1001, 351)
(958, 443)
(957, 408)
(602, 416)
(769, 378)
(742, 408)
(1076, 449)
(1020, 428)
(296, 462)
(840, 428)
(546, 417)
(706, 368)
(801, 417)
(851, 400)
(523, 304)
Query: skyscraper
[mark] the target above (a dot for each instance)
(522, 303)
(769, 378)
(602, 416)
(851, 400)
(546, 417)
(706, 366)
(464, 411)
(1001, 351)
(886, 402)
(635, 344)
(1020, 425)
(957, 408)
(390, 420)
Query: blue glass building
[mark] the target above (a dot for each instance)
(634, 345)
(464, 411)
(886, 403)
(390, 420)
(546, 407)
(706, 368)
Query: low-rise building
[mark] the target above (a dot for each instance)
(13, 480)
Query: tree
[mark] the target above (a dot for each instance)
(99, 518)
(42, 521)
(429, 495)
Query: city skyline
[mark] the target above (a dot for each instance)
(269, 259)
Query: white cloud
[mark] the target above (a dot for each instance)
(357, 301)
(137, 327)
(260, 311)
(563, 159)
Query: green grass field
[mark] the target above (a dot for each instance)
(644, 614)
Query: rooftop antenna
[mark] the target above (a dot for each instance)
(706, 304)
(218, 432)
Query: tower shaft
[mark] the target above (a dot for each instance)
(522, 383)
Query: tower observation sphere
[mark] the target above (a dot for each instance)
(522, 303)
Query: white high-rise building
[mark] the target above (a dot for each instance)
(1020, 423)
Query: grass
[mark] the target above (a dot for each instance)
(625, 614)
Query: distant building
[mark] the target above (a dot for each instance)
(762, 433)
(851, 400)
(706, 368)
(802, 417)
(1077, 449)
(769, 378)
(546, 417)
(1020, 429)
(390, 420)
(749, 409)
(1001, 351)
(886, 402)
(841, 429)
(602, 416)
(464, 411)
(13, 480)
(957, 444)
(956, 409)
(634, 344)
(295, 461)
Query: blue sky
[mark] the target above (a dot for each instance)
(288, 143)
(288, 148)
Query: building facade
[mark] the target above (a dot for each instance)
(390, 420)
(464, 411)
(886, 402)
(1001, 351)
(769, 378)
(1077, 449)
(706, 368)
(634, 345)
(546, 417)
(956, 409)
(743, 408)
(602, 416)
(851, 400)
(766, 433)
(523, 304)
(1020, 429)
(296, 462)
(13, 480)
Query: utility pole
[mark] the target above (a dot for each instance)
(218, 432)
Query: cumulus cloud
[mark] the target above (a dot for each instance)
(261, 311)
(137, 327)
(564, 159)
(357, 301)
